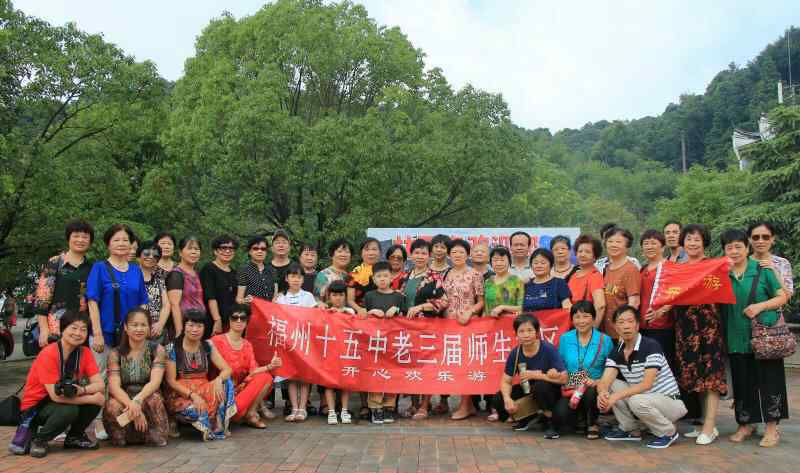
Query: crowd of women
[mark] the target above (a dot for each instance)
(138, 343)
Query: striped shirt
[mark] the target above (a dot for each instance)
(646, 354)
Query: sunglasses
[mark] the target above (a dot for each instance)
(227, 248)
(761, 237)
(150, 254)
(238, 318)
(259, 248)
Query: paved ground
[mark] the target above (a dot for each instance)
(432, 446)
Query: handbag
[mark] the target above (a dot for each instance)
(770, 342)
(9, 409)
(526, 405)
(578, 378)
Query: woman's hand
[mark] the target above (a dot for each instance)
(43, 336)
(414, 311)
(134, 410)
(510, 405)
(199, 403)
(463, 318)
(98, 343)
(497, 311)
(590, 383)
(392, 312)
(156, 330)
(767, 264)
(140, 424)
(219, 392)
(217, 327)
(753, 310)
(376, 313)
(275, 363)
(652, 315)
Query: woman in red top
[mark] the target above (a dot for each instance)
(251, 382)
(586, 283)
(54, 397)
(658, 324)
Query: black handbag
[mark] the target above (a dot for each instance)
(10, 409)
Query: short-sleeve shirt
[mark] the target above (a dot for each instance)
(46, 370)
(666, 321)
(577, 357)
(384, 301)
(547, 295)
(325, 278)
(280, 275)
(525, 273)
(620, 284)
(508, 292)
(300, 299)
(784, 268)
(647, 353)
(582, 286)
(462, 290)
(308, 281)
(132, 292)
(257, 283)
(738, 327)
(62, 286)
(219, 285)
(191, 289)
(547, 357)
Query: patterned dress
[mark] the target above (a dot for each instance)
(134, 374)
(699, 349)
(462, 290)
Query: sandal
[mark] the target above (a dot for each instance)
(293, 416)
(421, 414)
(255, 422)
(593, 433)
(768, 441)
(494, 416)
(301, 416)
(742, 434)
(460, 416)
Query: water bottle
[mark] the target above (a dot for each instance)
(526, 385)
(576, 396)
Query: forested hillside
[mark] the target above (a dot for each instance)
(311, 117)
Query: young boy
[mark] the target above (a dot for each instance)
(296, 296)
(337, 300)
(383, 303)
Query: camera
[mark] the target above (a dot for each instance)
(66, 387)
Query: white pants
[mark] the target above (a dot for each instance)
(656, 411)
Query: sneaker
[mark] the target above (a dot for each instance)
(376, 416)
(621, 435)
(38, 448)
(346, 418)
(525, 424)
(663, 442)
(99, 432)
(551, 432)
(389, 415)
(704, 439)
(80, 442)
(332, 419)
(693, 434)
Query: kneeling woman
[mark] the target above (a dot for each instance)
(541, 373)
(251, 382)
(207, 405)
(135, 371)
(584, 350)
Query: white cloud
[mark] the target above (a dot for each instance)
(558, 64)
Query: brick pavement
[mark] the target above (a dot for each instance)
(436, 445)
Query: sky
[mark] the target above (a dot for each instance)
(558, 64)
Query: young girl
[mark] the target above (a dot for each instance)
(337, 300)
(296, 296)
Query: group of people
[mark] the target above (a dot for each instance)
(138, 343)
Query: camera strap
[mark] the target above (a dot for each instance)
(117, 304)
(64, 368)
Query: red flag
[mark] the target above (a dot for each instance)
(704, 282)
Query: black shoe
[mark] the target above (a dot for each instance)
(389, 415)
(525, 424)
(81, 442)
(551, 432)
(38, 448)
(377, 416)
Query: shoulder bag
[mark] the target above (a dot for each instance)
(526, 405)
(117, 305)
(580, 377)
(770, 342)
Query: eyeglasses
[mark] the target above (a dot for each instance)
(396, 257)
(150, 254)
(238, 318)
(227, 248)
(259, 248)
(761, 237)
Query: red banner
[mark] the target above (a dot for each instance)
(399, 355)
(704, 282)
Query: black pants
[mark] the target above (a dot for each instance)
(546, 395)
(54, 418)
(564, 415)
(759, 389)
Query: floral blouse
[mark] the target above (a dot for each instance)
(462, 290)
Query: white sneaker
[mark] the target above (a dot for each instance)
(704, 439)
(100, 434)
(346, 419)
(332, 420)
